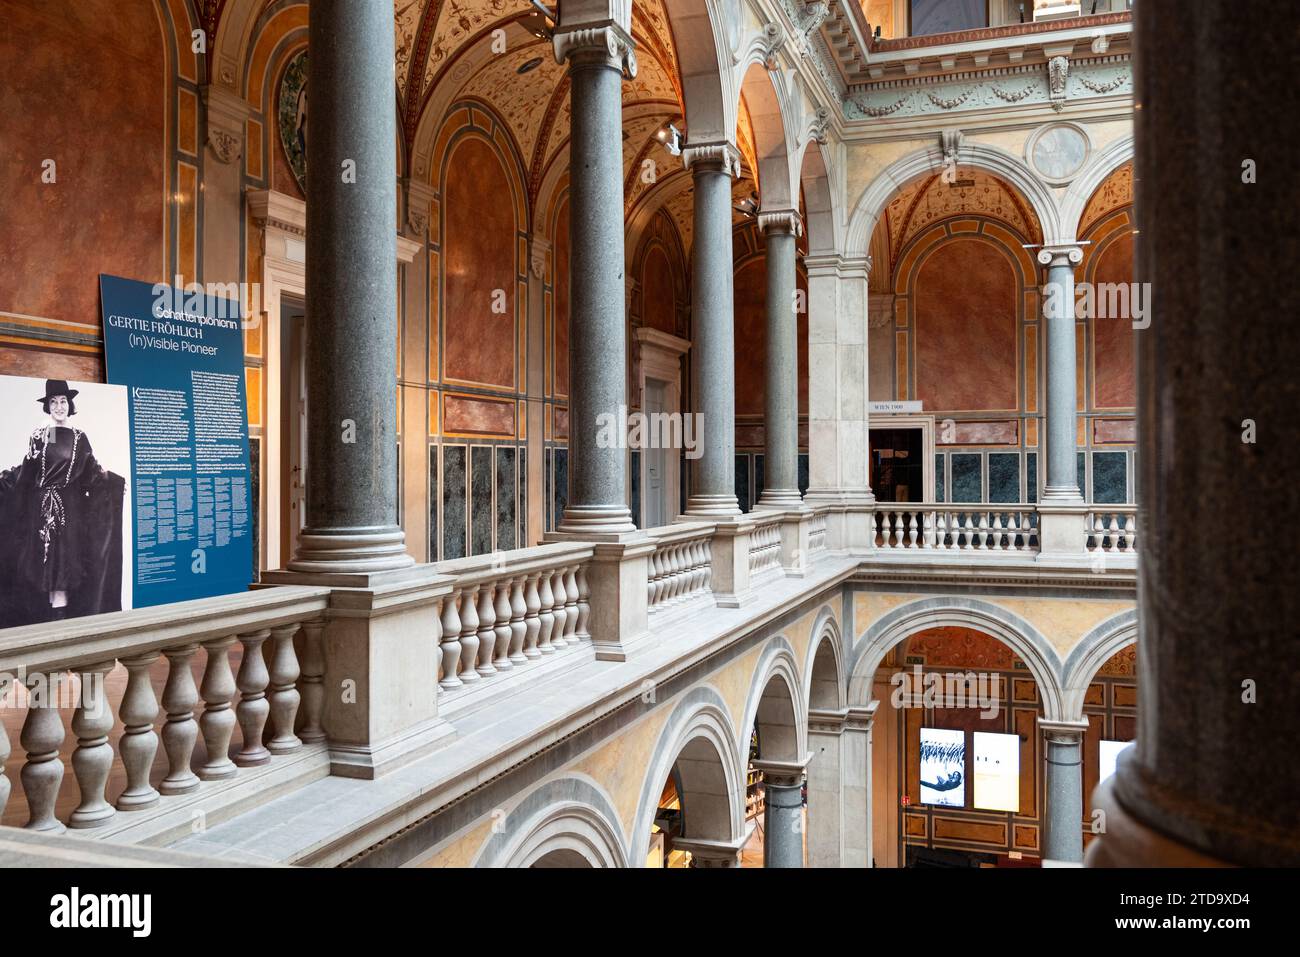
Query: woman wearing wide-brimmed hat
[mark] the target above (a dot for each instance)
(52, 513)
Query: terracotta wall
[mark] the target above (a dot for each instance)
(85, 84)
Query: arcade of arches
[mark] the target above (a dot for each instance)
(901, 472)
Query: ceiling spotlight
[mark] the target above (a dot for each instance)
(540, 22)
(528, 66)
(671, 137)
(748, 207)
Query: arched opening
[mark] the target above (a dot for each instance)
(563, 857)
(1110, 706)
(694, 816)
(775, 789)
(957, 755)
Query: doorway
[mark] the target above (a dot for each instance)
(293, 424)
(656, 458)
(898, 465)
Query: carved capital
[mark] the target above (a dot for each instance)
(419, 196)
(606, 43)
(950, 143)
(781, 221)
(724, 154)
(772, 42)
(538, 250)
(1065, 254)
(226, 114)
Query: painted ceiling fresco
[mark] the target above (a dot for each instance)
(1114, 193)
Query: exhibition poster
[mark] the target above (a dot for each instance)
(943, 767)
(181, 356)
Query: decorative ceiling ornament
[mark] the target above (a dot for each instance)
(950, 143)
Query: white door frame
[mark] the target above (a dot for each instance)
(659, 357)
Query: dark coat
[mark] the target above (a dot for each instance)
(85, 556)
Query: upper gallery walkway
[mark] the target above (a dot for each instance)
(360, 711)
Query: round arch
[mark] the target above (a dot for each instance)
(1105, 162)
(1010, 629)
(570, 819)
(1094, 650)
(699, 738)
(777, 188)
(780, 708)
(823, 682)
(992, 159)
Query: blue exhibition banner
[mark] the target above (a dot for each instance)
(181, 355)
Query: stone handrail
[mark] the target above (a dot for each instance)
(962, 527)
(270, 687)
(680, 567)
(509, 608)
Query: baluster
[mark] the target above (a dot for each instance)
(927, 517)
(501, 660)
(284, 695)
(892, 532)
(940, 529)
(684, 573)
(1013, 531)
(962, 539)
(1112, 539)
(561, 615)
(583, 631)
(41, 736)
(180, 731)
(1130, 535)
(487, 637)
(518, 608)
(139, 743)
(469, 635)
(1090, 528)
(4, 757)
(546, 615)
(571, 604)
(999, 543)
(253, 708)
(451, 650)
(652, 583)
(313, 681)
(91, 762)
(532, 623)
(217, 723)
(913, 527)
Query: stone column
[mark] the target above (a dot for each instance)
(1210, 778)
(783, 824)
(1061, 432)
(352, 295)
(597, 497)
(1062, 824)
(837, 398)
(1062, 514)
(713, 362)
(781, 401)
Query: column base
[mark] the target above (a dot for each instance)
(1127, 842)
(783, 499)
(355, 550)
(587, 520)
(709, 507)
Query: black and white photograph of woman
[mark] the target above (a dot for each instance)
(64, 504)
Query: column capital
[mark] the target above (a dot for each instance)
(781, 774)
(860, 717)
(1063, 732)
(706, 853)
(724, 155)
(419, 199)
(227, 114)
(539, 247)
(1059, 254)
(827, 721)
(781, 221)
(604, 43)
